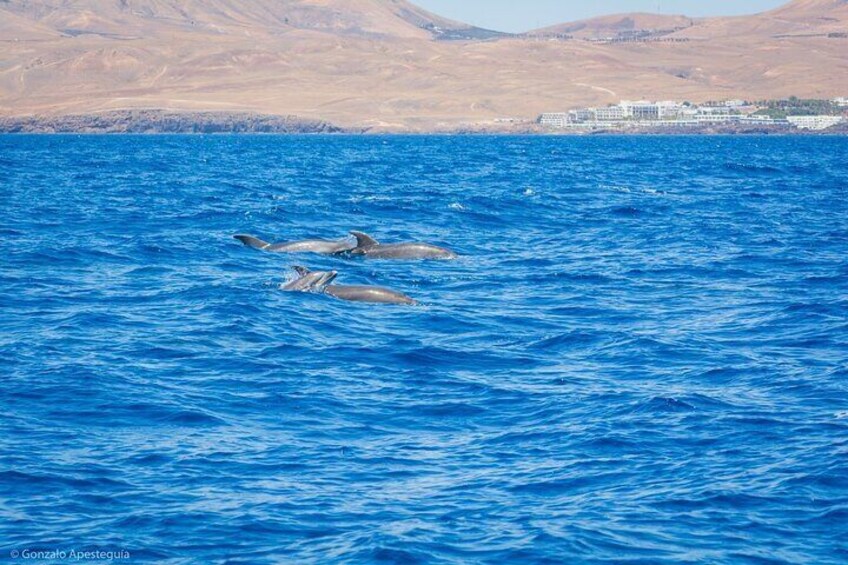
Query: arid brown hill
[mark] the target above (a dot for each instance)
(389, 65)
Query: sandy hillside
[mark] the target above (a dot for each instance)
(388, 65)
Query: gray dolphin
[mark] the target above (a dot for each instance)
(374, 294)
(370, 247)
(323, 246)
(319, 282)
(309, 281)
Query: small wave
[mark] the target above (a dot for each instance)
(138, 413)
(752, 168)
(664, 404)
(452, 410)
(565, 341)
(626, 211)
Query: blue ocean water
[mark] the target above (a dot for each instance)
(640, 357)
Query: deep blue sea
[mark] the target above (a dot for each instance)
(640, 357)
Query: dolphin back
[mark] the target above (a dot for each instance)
(411, 251)
(253, 242)
(322, 246)
(374, 294)
(370, 247)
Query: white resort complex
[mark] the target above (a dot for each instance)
(670, 114)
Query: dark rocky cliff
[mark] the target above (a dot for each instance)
(161, 121)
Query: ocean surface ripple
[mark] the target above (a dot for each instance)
(640, 357)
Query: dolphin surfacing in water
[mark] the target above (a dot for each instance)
(322, 246)
(319, 282)
(370, 247)
(309, 281)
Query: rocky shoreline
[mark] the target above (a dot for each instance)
(186, 122)
(164, 121)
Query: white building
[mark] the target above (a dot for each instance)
(714, 110)
(760, 120)
(841, 102)
(641, 110)
(582, 115)
(610, 114)
(669, 109)
(814, 122)
(554, 119)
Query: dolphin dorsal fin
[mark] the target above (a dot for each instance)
(363, 239)
(302, 271)
(253, 242)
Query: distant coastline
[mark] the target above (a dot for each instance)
(152, 122)
(166, 121)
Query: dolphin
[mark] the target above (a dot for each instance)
(323, 246)
(374, 294)
(309, 281)
(319, 282)
(370, 247)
